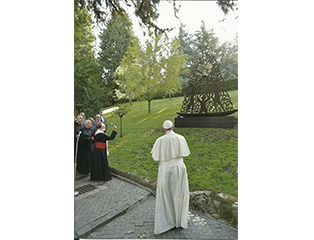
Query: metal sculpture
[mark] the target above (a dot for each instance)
(206, 94)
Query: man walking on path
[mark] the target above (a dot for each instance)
(172, 193)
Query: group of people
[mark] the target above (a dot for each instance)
(172, 193)
(90, 146)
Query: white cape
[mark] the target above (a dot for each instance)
(170, 146)
(172, 193)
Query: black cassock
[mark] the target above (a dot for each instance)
(85, 153)
(99, 166)
(77, 129)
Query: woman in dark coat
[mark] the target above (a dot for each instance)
(99, 167)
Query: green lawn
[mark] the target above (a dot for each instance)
(214, 152)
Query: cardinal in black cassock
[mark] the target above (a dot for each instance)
(84, 155)
(99, 166)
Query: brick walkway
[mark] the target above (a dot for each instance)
(119, 209)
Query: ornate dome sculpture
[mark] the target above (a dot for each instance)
(206, 94)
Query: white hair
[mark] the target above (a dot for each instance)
(97, 115)
(88, 121)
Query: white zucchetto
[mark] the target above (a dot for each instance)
(167, 124)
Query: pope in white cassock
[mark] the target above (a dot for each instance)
(172, 194)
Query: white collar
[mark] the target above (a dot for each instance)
(98, 131)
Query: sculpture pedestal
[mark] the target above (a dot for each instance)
(204, 122)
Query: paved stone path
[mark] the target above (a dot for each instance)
(99, 206)
(109, 110)
(118, 209)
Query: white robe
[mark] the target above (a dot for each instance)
(172, 194)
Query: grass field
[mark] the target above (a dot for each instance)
(212, 164)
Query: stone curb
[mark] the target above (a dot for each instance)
(148, 183)
(109, 216)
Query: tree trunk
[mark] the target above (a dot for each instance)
(149, 105)
(170, 96)
(120, 127)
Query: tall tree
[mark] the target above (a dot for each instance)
(206, 44)
(115, 38)
(126, 75)
(229, 60)
(226, 54)
(175, 66)
(152, 71)
(202, 42)
(205, 41)
(186, 46)
(186, 41)
(88, 88)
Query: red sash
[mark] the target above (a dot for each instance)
(100, 145)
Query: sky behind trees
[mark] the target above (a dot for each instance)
(191, 14)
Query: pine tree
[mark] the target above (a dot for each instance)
(115, 38)
(89, 92)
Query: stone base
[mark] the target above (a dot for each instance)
(204, 122)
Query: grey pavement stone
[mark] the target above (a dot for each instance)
(84, 230)
(120, 210)
(108, 200)
(123, 207)
(139, 223)
(199, 227)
